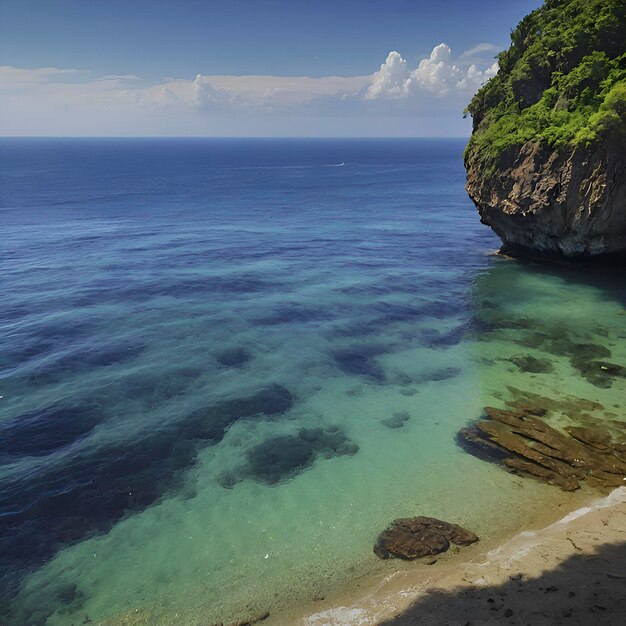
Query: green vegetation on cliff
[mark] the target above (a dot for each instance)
(562, 81)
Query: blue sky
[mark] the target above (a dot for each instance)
(247, 67)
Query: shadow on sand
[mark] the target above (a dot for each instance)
(583, 590)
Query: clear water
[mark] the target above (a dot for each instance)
(226, 365)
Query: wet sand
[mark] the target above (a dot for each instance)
(571, 571)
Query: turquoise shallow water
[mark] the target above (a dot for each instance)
(227, 365)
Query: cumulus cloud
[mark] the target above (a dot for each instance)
(438, 74)
(474, 77)
(274, 92)
(390, 80)
(60, 100)
(203, 93)
(206, 96)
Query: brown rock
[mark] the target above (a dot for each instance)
(516, 443)
(599, 373)
(618, 424)
(253, 620)
(570, 406)
(415, 537)
(548, 476)
(607, 479)
(471, 440)
(553, 203)
(619, 451)
(556, 444)
(524, 443)
(598, 438)
(527, 408)
(531, 364)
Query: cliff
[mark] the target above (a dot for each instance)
(546, 163)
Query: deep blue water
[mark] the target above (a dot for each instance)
(181, 320)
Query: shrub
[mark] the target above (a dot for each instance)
(562, 81)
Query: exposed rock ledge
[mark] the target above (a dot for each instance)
(526, 444)
(570, 203)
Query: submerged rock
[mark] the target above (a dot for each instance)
(546, 475)
(74, 496)
(572, 406)
(416, 537)
(531, 364)
(600, 373)
(443, 373)
(282, 457)
(211, 423)
(586, 358)
(522, 442)
(232, 357)
(359, 360)
(597, 438)
(471, 440)
(397, 420)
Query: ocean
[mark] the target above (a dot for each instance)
(227, 364)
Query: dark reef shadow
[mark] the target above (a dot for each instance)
(500, 282)
(85, 492)
(608, 277)
(584, 589)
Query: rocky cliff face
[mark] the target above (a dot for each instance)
(569, 203)
(546, 163)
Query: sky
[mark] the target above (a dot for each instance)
(247, 67)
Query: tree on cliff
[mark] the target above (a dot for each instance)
(546, 163)
(562, 81)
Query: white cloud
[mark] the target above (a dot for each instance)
(274, 92)
(479, 51)
(390, 80)
(52, 100)
(26, 79)
(439, 74)
(205, 95)
(118, 77)
(474, 77)
(10, 74)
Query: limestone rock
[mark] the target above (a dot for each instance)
(568, 203)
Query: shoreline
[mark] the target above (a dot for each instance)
(543, 544)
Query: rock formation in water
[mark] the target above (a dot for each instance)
(546, 163)
(520, 438)
(416, 537)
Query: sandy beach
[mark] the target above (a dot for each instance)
(571, 571)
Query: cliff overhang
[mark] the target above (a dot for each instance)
(546, 163)
(555, 204)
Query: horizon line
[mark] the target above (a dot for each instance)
(234, 137)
